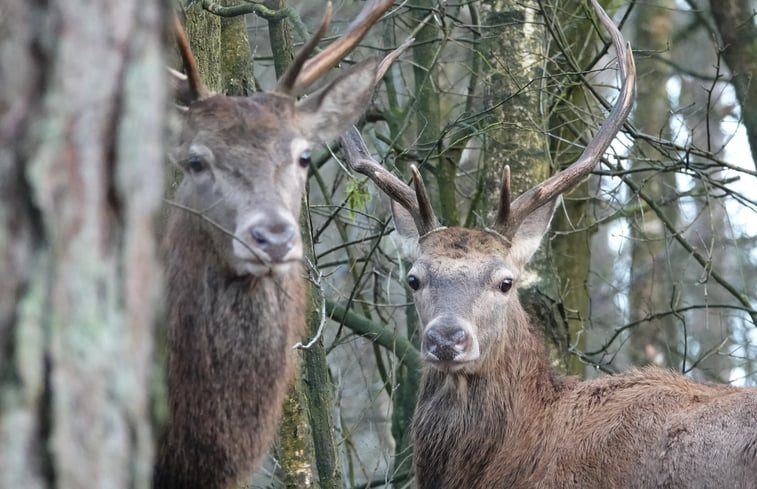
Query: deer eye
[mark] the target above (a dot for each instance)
(413, 282)
(196, 164)
(305, 159)
(506, 285)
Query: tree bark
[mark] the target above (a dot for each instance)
(236, 56)
(510, 29)
(82, 104)
(735, 23)
(574, 226)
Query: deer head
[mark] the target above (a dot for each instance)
(464, 280)
(245, 159)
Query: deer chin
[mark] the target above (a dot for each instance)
(451, 366)
(260, 266)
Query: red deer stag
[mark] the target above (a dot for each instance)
(491, 411)
(235, 284)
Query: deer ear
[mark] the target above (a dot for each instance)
(527, 237)
(327, 113)
(406, 230)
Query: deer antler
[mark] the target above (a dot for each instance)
(286, 86)
(195, 86)
(510, 215)
(415, 201)
(302, 73)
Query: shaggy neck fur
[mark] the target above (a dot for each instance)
(230, 361)
(473, 417)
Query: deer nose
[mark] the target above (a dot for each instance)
(275, 238)
(446, 341)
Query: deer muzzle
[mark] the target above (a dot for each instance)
(267, 240)
(449, 343)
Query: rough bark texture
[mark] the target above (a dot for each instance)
(734, 21)
(573, 223)
(204, 34)
(236, 56)
(513, 47)
(82, 104)
(295, 440)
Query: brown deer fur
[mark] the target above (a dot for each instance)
(235, 284)
(507, 420)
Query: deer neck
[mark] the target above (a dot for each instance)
(510, 397)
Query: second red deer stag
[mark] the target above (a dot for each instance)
(235, 284)
(491, 411)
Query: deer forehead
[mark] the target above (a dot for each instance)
(256, 122)
(461, 257)
(471, 245)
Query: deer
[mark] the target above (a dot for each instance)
(235, 293)
(491, 411)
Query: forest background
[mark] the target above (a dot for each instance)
(650, 261)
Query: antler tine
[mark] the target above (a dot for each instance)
(323, 61)
(503, 212)
(415, 202)
(197, 89)
(426, 221)
(567, 178)
(287, 83)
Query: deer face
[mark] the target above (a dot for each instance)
(464, 283)
(461, 283)
(245, 167)
(246, 160)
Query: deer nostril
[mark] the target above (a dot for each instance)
(274, 238)
(446, 343)
(259, 235)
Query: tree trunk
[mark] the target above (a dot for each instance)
(569, 131)
(651, 290)
(236, 56)
(204, 35)
(733, 19)
(511, 28)
(81, 167)
(428, 115)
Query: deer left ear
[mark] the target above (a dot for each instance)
(327, 113)
(527, 236)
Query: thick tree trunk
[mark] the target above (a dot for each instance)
(569, 130)
(510, 29)
(81, 166)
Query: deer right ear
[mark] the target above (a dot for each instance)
(330, 111)
(406, 230)
(182, 93)
(527, 236)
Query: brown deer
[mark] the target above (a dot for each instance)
(491, 411)
(235, 283)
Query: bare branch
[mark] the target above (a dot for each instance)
(571, 176)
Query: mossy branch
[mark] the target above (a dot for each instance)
(248, 8)
(399, 345)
